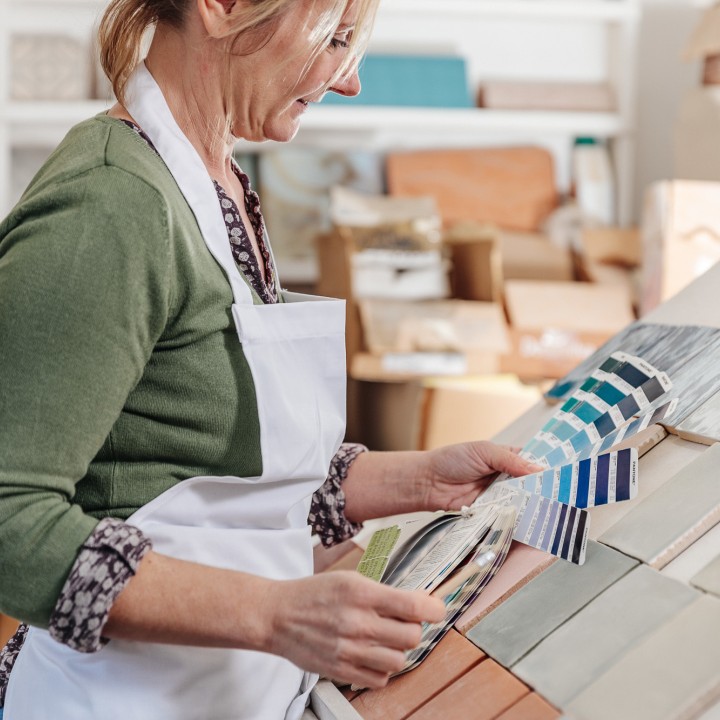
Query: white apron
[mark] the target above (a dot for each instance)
(258, 525)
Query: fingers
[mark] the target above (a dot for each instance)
(507, 461)
(409, 606)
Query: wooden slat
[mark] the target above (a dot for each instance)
(483, 693)
(449, 661)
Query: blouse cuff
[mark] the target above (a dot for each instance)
(107, 561)
(327, 510)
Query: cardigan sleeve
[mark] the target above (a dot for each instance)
(327, 510)
(84, 296)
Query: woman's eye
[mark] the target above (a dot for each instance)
(339, 43)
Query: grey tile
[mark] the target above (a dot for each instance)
(708, 579)
(589, 643)
(671, 674)
(656, 468)
(674, 516)
(703, 425)
(511, 630)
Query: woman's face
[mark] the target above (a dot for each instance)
(274, 85)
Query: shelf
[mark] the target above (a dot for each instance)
(591, 10)
(361, 126)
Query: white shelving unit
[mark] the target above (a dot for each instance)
(591, 40)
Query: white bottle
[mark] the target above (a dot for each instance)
(594, 182)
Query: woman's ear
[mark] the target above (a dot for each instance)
(214, 15)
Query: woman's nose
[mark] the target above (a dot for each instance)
(348, 85)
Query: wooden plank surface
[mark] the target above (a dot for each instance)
(450, 660)
(485, 692)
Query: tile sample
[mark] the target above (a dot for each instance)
(711, 713)
(673, 673)
(327, 703)
(530, 707)
(514, 628)
(522, 564)
(589, 643)
(348, 560)
(687, 353)
(691, 561)
(674, 516)
(644, 441)
(481, 694)
(703, 425)
(708, 579)
(656, 468)
(449, 661)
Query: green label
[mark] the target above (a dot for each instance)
(375, 559)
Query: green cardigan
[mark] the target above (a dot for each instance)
(121, 372)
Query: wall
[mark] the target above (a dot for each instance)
(662, 80)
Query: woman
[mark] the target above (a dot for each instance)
(168, 414)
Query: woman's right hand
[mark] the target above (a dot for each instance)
(346, 627)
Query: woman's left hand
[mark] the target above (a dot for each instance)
(457, 474)
(389, 483)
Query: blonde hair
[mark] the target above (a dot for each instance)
(125, 23)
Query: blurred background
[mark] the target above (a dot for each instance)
(519, 180)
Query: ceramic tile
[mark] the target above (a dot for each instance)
(522, 564)
(644, 441)
(450, 660)
(674, 516)
(325, 558)
(514, 628)
(530, 707)
(656, 468)
(568, 660)
(327, 703)
(348, 560)
(690, 562)
(673, 673)
(481, 694)
(703, 425)
(708, 579)
(711, 713)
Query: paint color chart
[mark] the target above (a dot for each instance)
(617, 401)
(599, 480)
(546, 524)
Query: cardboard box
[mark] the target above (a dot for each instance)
(681, 237)
(531, 256)
(575, 306)
(335, 281)
(434, 326)
(476, 261)
(473, 408)
(540, 354)
(612, 246)
(385, 415)
(512, 187)
(557, 325)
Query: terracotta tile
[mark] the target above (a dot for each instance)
(514, 628)
(674, 673)
(522, 564)
(481, 694)
(451, 659)
(656, 468)
(531, 707)
(325, 558)
(592, 641)
(674, 516)
(349, 561)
